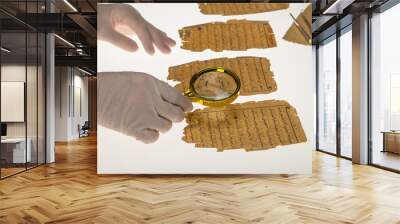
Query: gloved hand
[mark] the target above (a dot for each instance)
(139, 105)
(116, 21)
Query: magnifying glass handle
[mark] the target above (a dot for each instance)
(191, 96)
(188, 93)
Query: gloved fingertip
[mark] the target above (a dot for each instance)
(132, 48)
(179, 119)
(148, 141)
(148, 136)
(167, 127)
(151, 52)
(166, 50)
(188, 107)
(171, 42)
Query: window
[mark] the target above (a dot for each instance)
(385, 89)
(334, 58)
(22, 77)
(327, 96)
(346, 93)
(395, 102)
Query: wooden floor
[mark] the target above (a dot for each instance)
(69, 191)
(387, 159)
(5, 172)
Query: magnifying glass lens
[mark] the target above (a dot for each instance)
(215, 85)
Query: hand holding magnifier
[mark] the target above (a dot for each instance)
(214, 87)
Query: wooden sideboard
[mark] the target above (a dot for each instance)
(391, 141)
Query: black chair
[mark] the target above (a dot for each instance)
(84, 130)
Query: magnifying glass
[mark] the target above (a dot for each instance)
(214, 87)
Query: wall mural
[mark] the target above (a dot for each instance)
(205, 88)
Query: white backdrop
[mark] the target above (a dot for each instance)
(292, 67)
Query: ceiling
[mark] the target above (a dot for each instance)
(74, 24)
(16, 42)
(332, 15)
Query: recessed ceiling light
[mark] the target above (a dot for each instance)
(84, 71)
(70, 5)
(5, 50)
(65, 41)
(337, 7)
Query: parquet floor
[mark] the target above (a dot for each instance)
(69, 191)
(10, 171)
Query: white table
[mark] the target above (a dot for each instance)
(19, 155)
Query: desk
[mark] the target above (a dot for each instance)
(13, 150)
(391, 141)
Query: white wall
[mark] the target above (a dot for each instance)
(80, 83)
(68, 80)
(61, 103)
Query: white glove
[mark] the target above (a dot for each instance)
(139, 105)
(117, 21)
